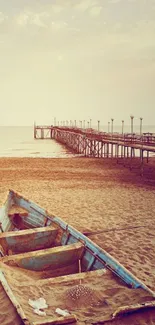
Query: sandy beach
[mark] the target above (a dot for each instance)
(94, 196)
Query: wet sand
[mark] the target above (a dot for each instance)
(94, 195)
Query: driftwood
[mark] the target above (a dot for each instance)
(56, 321)
(12, 298)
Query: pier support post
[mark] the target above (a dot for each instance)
(127, 152)
(121, 151)
(85, 147)
(35, 131)
(117, 152)
(111, 150)
(107, 150)
(124, 155)
(51, 133)
(101, 149)
(98, 149)
(42, 133)
(142, 163)
(131, 158)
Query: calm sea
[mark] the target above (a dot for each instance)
(19, 142)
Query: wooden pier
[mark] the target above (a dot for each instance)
(92, 143)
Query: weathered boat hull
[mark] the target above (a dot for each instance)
(93, 257)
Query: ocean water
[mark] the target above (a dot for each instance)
(18, 141)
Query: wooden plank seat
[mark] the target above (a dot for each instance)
(28, 240)
(54, 259)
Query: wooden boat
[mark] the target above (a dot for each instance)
(33, 239)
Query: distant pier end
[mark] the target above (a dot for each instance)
(43, 131)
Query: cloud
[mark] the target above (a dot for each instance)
(60, 57)
(58, 24)
(30, 18)
(57, 9)
(41, 19)
(3, 17)
(36, 20)
(70, 27)
(22, 19)
(84, 5)
(95, 11)
(116, 1)
(93, 7)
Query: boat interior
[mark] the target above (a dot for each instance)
(48, 248)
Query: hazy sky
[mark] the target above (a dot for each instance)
(77, 59)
